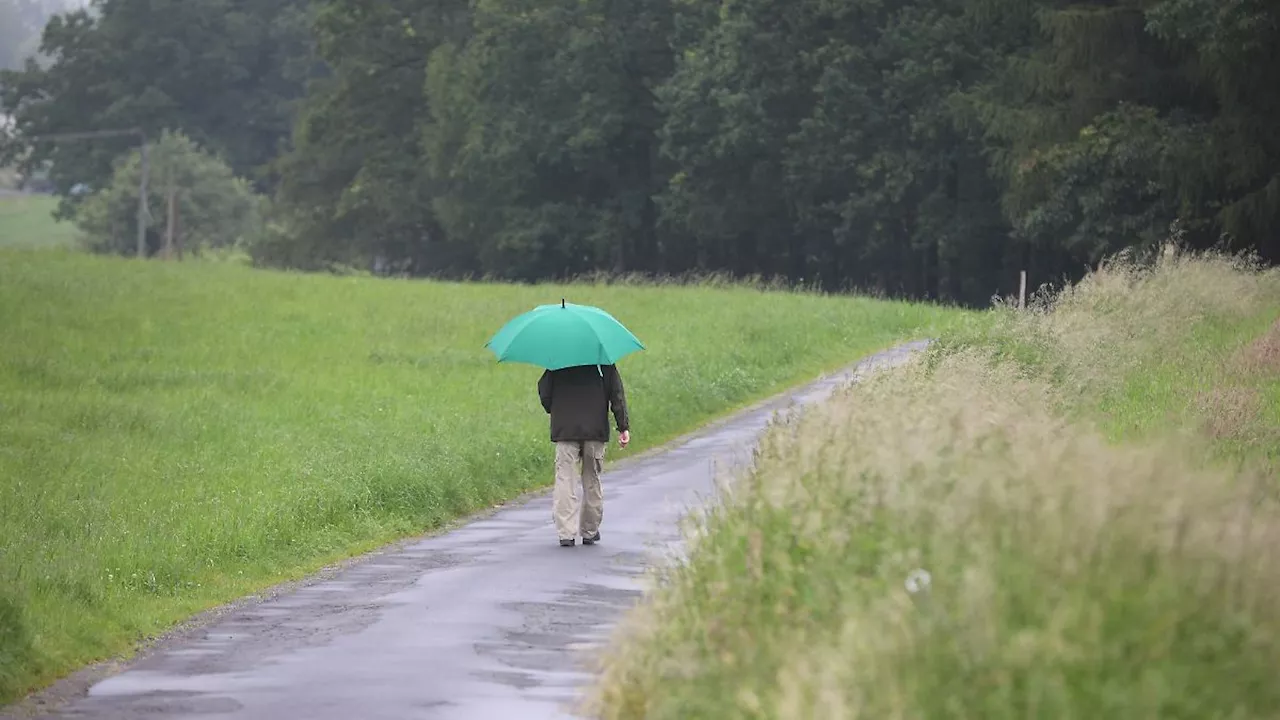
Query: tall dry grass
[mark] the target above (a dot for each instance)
(1126, 315)
(1068, 575)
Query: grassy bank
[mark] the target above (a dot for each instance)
(175, 435)
(1089, 489)
(26, 222)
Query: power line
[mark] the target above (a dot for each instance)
(88, 135)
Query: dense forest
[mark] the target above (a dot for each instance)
(921, 148)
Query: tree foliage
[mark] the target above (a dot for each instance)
(927, 148)
(930, 148)
(543, 143)
(225, 73)
(356, 184)
(815, 139)
(1116, 117)
(212, 207)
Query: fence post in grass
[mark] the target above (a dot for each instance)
(1022, 290)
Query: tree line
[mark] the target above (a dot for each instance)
(918, 148)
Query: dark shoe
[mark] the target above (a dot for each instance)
(591, 540)
(569, 543)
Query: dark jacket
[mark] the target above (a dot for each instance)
(579, 399)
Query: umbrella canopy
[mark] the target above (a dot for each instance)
(564, 335)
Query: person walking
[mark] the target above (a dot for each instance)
(579, 400)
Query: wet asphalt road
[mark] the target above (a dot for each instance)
(492, 620)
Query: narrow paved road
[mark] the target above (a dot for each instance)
(487, 621)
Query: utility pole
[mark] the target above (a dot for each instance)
(142, 199)
(143, 212)
(171, 242)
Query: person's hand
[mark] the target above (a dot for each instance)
(624, 437)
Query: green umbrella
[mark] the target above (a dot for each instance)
(564, 335)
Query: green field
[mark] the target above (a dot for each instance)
(26, 222)
(1091, 488)
(175, 435)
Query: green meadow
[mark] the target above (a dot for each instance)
(176, 435)
(26, 221)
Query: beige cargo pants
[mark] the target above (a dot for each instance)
(566, 500)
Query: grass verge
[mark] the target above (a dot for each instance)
(26, 221)
(173, 436)
(1053, 514)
